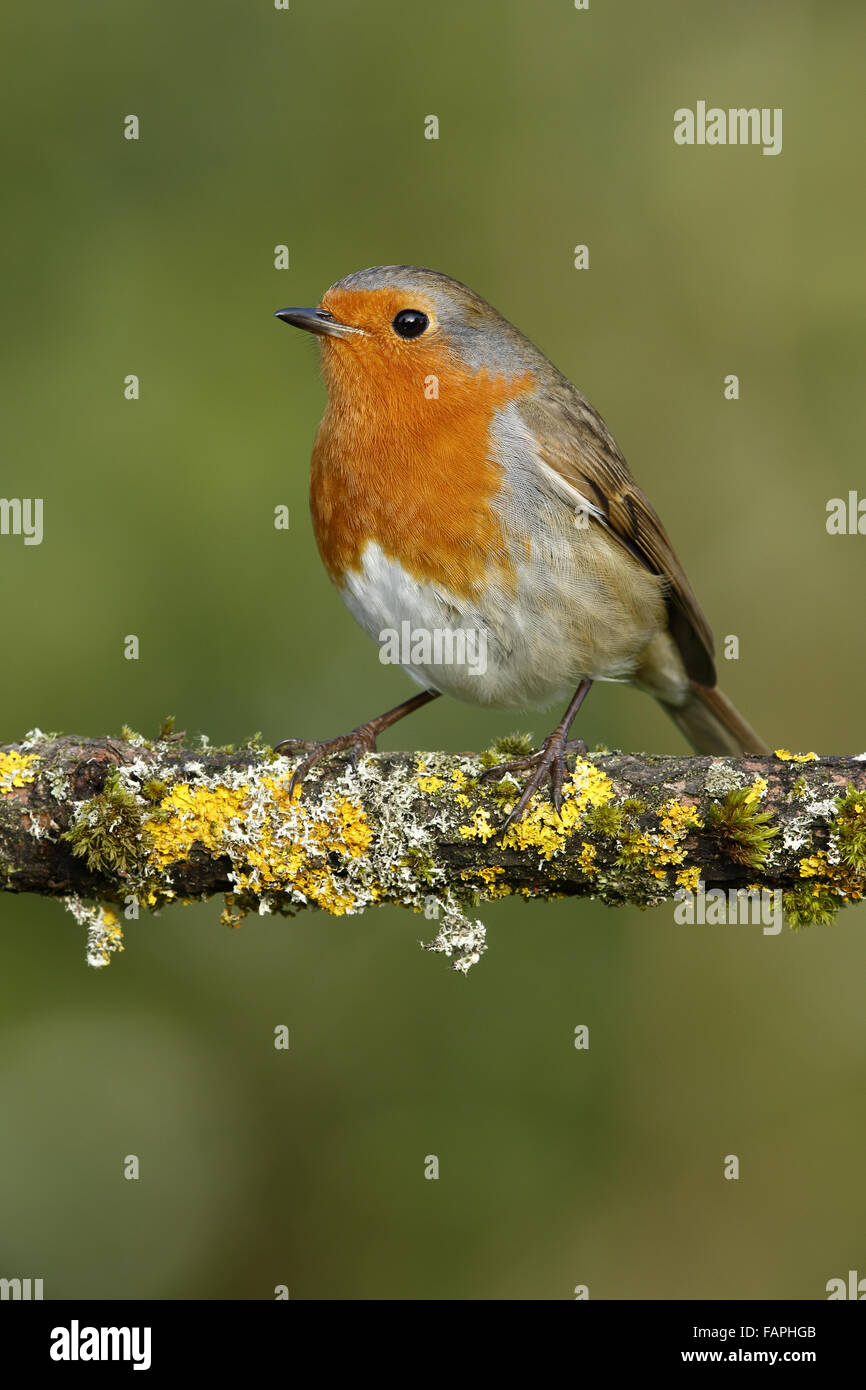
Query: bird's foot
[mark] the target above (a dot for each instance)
(358, 741)
(546, 761)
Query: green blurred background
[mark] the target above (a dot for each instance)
(305, 127)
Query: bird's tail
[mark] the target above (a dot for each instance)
(712, 724)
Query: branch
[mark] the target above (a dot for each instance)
(133, 824)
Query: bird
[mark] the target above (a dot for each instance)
(459, 483)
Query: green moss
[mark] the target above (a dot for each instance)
(604, 820)
(421, 864)
(850, 829)
(634, 807)
(635, 848)
(514, 745)
(503, 792)
(810, 905)
(798, 789)
(108, 831)
(743, 832)
(154, 790)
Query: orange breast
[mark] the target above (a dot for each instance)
(410, 472)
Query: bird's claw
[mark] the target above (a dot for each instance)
(294, 745)
(357, 741)
(547, 761)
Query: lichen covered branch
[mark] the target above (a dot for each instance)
(118, 825)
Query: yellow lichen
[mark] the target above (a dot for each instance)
(14, 770)
(676, 819)
(787, 757)
(431, 784)
(266, 854)
(834, 878)
(542, 829)
(104, 932)
(156, 895)
(479, 828)
(756, 791)
(200, 814)
(428, 782)
(301, 863)
(112, 927)
(586, 859)
(488, 877)
(689, 879)
(813, 865)
(637, 845)
(657, 852)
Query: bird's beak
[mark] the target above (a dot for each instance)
(317, 321)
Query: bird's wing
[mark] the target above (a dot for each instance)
(577, 446)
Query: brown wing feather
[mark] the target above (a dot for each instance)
(578, 445)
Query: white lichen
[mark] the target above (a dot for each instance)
(722, 778)
(104, 932)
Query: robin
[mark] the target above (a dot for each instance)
(460, 484)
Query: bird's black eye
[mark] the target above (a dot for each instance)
(409, 323)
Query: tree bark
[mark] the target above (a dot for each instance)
(138, 824)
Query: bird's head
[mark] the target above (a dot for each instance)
(393, 328)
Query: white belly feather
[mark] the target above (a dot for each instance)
(581, 607)
(528, 653)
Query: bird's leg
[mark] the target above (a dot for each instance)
(547, 761)
(360, 740)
